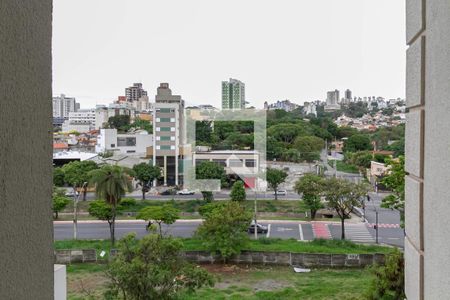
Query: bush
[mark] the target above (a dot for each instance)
(128, 202)
(389, 282)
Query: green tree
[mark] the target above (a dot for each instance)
(76, 174)
(119, 122)
(346, 131)
(145, 174)
(105, 212)
(166, 214)
(238, 191)
(60, 201)
(203, 133)
(224, 229)
(210, 170)
(58, 177)
(389, 279)
(142, 124)
(395, 181)
(342, 196)
(152, 268)
(274, 178)
(309, 147)
(311, 186)
(111, 184)
(357, 142)
(285, 132)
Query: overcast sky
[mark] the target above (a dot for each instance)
(280, 49)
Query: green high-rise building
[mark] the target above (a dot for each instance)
(233, 94)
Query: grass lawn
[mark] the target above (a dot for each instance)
(87, 281)
(316, 246)
(344, 167)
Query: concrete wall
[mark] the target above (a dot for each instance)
(427, 248)
(247, 257)
(26, 229)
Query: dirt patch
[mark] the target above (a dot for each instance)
(87, 284)
(227, 269)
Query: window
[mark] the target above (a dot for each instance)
(165, 129)
(250, 163)
(221, 162)
(199, 161)
(126, 141)
(113, 145)
(165, 120)
(165, 110)
(165, 147)
(131, 151)
(172, 129)
(164, 138)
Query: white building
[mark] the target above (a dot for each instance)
(82, 120)
(332, 101)
(63, 105)
(310, 108)
(136, 143)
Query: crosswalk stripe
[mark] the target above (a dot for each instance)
(358, 233)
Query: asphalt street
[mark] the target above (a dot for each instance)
(357, 232)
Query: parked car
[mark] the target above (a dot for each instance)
(71, 193)
(281, 193)
(185, 192)
(260, 228)
(168, 192)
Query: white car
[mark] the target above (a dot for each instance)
(281, 193)
(185, 192)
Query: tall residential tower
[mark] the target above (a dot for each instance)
(168, 133)
(233, 94)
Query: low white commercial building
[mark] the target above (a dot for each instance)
(136, 142)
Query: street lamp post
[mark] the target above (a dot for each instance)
(75, 212)
(376, 226)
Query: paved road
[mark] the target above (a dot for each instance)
(389, 230)
(357, 232)
(217, 196)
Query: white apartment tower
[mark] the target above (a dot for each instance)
(233, 94)
(168, 132)
(63, 105)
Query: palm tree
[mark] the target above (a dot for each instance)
(111, 183)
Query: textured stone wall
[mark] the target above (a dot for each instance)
(26, 230)
(427, 243)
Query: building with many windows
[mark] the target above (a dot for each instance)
(133, 93)
(63, 105)
(168, 132)
(233, 94)
(82, 120)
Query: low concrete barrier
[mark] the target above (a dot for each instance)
(75, 256)
(288, 258)
(247, 257)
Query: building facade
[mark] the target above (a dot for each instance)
(134, 92)
(63, 105)
(233, 94)
(135, 143)
(82, 120)
(168, 132)
(332, 100)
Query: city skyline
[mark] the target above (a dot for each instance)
(292, 54)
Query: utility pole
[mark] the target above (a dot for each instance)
(75, 212)
(376, 226)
